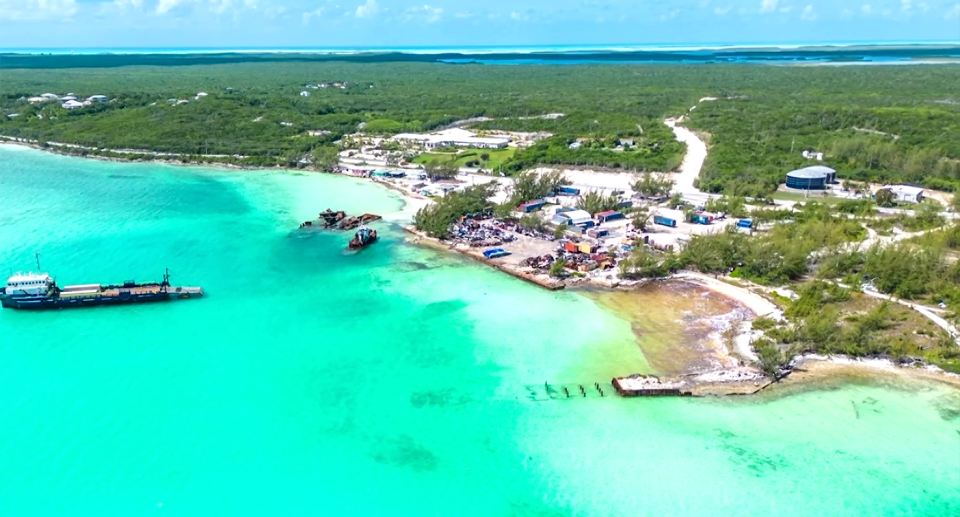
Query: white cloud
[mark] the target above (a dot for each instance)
(670, 14)
(720, 11)
(316, 13)
(906, 5)
(36, 9)
(367, 10)
(131, 4)
(952, 13)
(767, 6)
(166, 5)
(808, 14)
(866, 9)
(431, 14)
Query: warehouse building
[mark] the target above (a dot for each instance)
(816, 177)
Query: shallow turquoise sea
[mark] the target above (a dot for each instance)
(396, 381)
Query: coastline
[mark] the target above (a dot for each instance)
(812, 369)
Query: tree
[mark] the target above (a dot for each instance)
(771, 358)
(438, 170)
(885, 198)
(485, 157)
(641, 220)
(557, 268)
(325, 158)
(650, 184)
(532, 221)
(594, 201)
(955, 203)
(560, 230)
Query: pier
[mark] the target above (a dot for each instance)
(735, 381)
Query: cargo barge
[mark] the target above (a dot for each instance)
(37, 291)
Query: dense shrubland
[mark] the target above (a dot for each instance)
(875, 123)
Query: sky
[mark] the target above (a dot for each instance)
(462, 23)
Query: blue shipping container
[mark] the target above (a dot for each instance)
(664, 221)
(570, 191)
(744, 223)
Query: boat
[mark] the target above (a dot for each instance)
(495, 253)
(363, 238)
(37, 291)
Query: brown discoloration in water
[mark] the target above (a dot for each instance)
(674, 323)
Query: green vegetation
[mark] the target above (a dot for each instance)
(593, 202)
(874, 125)
(828, 319)
(490, 159)
(764, 118)
(653, 185)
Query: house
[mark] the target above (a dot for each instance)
(575, 145)
(626, 142)
(34, 100)
(453, 138)
(812, 155)
(905, 193)
(68, 98)
(70, 105)
(50, 97)
(182, 101)
(97, 98)
(304, 93)
(200, 95)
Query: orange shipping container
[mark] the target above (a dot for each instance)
(571, 247)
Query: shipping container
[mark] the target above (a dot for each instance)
(702, 219)
(569, 191)
(597, 233)
(664, 221)
(571, 247)
(586, 247)
(532, 206)
(609, 215)
(744, 223)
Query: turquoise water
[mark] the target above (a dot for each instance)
(390, 382)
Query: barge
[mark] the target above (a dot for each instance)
(37, 291)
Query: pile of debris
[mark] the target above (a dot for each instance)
(338, 220)
(477, 232)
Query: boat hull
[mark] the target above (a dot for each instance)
(45, 303)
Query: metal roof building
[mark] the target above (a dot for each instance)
(815, 177)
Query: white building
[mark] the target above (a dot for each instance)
(71, 105)
(905, 193)
(68, 98)
(200, 95)
(573, 218)
(97, 98)
(34, 100)
(453, 138)
(304, 93)
(813, 155)
(50, 97)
